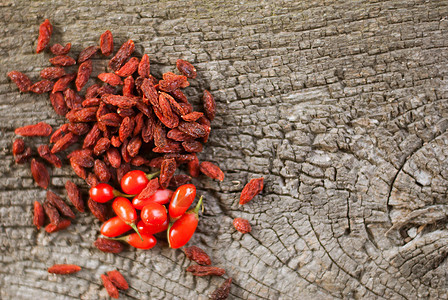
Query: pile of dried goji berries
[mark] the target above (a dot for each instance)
(131, 119)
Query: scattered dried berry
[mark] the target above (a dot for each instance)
(52, 73)
(57, 202)
(63, 224)
(64, 269)
(84, 71)
(99, 210)
(107, 43)
(40, 173)
(74, 195)
(242, 225)
(223, 291)
(211, 170)
(198, 255)
(109, 246)
(197, 270)
(52, 213)
(186, 68)
(39, 216)
(87, 53)
(62, 61)
(209, 105)
(18, 146)
(110, 287)
(122, 55)
(253, 188)
(45, 31)
(58, 49)
(21, 80)
(118, 280)
(42, 86)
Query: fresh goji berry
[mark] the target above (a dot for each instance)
(114, 227)
(154, 214)
(124, 209)
(181, 231)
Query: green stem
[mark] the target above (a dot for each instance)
(136, 230)
(198, 206)
(120, 194)
(168, 234)
(122, 238)
(151, 176)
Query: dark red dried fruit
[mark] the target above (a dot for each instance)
(150, 189)
(21, 80)
(101, 146)
(198, 255)
(58, 103)
(45, 31)
(79, 128)
(209, 105)
(178, 180)
(164, 112)
(128, 68)
(172, 82)
(124, 151)
(179, 95)
(193, 116)
(63, 82)
(177, 135)
(23, 157)
(139, 161)
(122, 55)
(58, 133)
(128, 86)
(92, 180)
(115, 141)
(180, 158)
(62, 61)
(107, 43)
(211, 170)
(194, 129)
(45, 153)
(52, 73)
(197, 270)
(63, 224)
(64, 269)
(64, 142)
(18, 146)
(122, 170)
(252, 188)
(110, 287)
(57, 202)
(144, 67)
(114, 157)
(192, 146)
(120, 101)
(92, 137)
(72, 100)
(222, 292)
(92, 91)
(186, 68)
(40, 173)
(107, 245)
(126, 128)
(134, 146)
(99, 210)
(91, 102)
(42, 86)
(156, 162)
(82, 160)
(193, 167)
(147, 130)
(118, 280)
(242, 225)
(80, 152)
(80, 171)
(166, 172)
(101, 171)
(150, 93)
(87, 114)
(84, 71)
(39, 216)
(87, 53)
(52, 213)
(112, 119)
(74, 195)
(110, 78)
(58, 49)
(126, 112)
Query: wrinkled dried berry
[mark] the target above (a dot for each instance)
(222, 292)
(107, 43)
(252, 188)
(21, 80)
(45, 31)
(74, 195)
(109, 246)
(209, 105)
(18, 146)
(39, 216)
(63, 82)
(198, 255)
(197, 270)
(62, 61)
(58, 103)
(42, 86)
(211, 170)
(63, 224)
(122, 55)
(52, 213)
(129, 68)
(64, 269)
(242, 225)
(57, 202)
(186, 68)
(45, 153)
(84, 71)
(87, 53)
(118, 280)
(109, 286)
(99, 210)
(110, 78)
(166, 172)
(58, 49)
(52, 73)
(40, 173)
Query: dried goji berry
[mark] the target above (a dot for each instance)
(101, 171)
(222, 292)
(101, 146)
(197, 270)
(107, 43)
(252, 188)
(186, 68)
(126, 128)
(122, 55)
(64, 269)
(39, 217)
(166, 172)
(193, 167)
(57, 202)
(114, 157)
(58, 133)
(119, 101)
(110, 287)
(192, 146)
(99, 210)
(45, 31)
(242, 225)
(150, 189)
(194, 129)
(91, 102)
(23, 157)
(92, 91)
(58, 103)
(107, 245)
(62, 61)
(87, 114)
(45, 153)
(110, 78)
(74, 195)
(209, 105)
(124, 151)
(64, 142)
(52, 213)
(92, 137)
(92, 180)
(82, 160)
(80, 171)
(172, 81)
(111, 119)
(79, 128)
(42, 86)
(198, 255)
(58, 49)
(178, 180)
(128, 68)
(144, 66)
(63, 82)
(134, 146)
(115, 141)
(40, 173)
(122, 170)
(211, 170)
(21, 80)
(84, 71)
(193, 116)
(139, 124)
(118, 280)
(18, 146)
(63, 224)
(87, 53)
(52, 73)
(128, 86)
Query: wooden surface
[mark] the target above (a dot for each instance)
(340, 105)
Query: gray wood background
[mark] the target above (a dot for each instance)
(340, 105)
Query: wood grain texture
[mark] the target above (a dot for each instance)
(340, 105)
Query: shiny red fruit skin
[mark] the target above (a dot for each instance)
(154, 214)
(124, 209)
(161, 197)
(114, 227)
(182, 230)
(133, 182)
(181, 200)
(148, 241)
(102, 193)
(152, 229)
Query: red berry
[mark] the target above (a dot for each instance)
(134, 182)
(160, 196)
(183, 197)
(154, 214)
(114, 227)
(102, 193)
